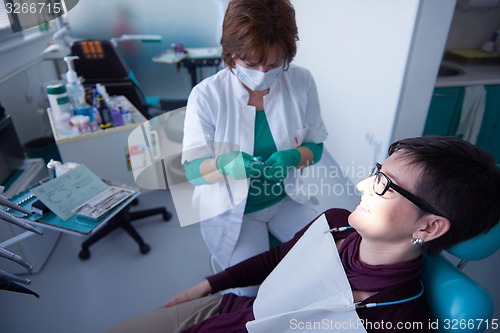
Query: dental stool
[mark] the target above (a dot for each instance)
(456, 302)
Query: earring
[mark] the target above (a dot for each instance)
(416, 240)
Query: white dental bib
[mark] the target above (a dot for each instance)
(308, 291)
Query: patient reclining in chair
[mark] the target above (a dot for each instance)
(352, 271)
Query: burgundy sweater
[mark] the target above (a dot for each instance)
(236, 311)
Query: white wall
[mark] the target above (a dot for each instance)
(21, 85)
(427, 47)
(365, 56)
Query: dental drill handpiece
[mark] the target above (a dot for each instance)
(19, 222)
(6, 202)
(12, 277)
(14, 257)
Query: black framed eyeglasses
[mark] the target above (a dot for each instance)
(381, 183)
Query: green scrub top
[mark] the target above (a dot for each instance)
(263, 193)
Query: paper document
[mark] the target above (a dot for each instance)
(68, 191)
(308, 285)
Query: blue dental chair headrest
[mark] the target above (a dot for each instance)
(479, 247)
(456, 302)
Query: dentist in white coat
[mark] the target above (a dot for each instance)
(249, 131)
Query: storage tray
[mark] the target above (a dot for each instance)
(102, 203)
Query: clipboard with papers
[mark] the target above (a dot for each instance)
(79, 201)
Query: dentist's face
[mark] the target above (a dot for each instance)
(270, 63)
(390, 217)
(259, 76)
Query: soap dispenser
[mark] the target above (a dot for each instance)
(76, 93)
(74, 87)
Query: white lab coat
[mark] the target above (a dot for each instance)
(219, 119)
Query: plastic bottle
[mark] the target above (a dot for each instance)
(113, 106)
(60, 108)
(80, 124)
(126, 115)
(62, 124)
(116, 115)
(90, 113)
(58, 98)
(76, 92)
(74, 87)
(103, 110)
(97, 118)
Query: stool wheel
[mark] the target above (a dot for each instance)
(166, 215)
(84, 254)
(145, 248)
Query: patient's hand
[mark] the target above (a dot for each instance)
(197, 291)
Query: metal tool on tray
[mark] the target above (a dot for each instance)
(102, 203)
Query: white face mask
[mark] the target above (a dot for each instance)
(257, 80)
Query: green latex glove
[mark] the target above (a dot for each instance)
(276, 167)
(192, 172)
(238, 165)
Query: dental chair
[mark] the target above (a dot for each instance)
(456, 302)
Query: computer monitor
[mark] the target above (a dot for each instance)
(11, 152)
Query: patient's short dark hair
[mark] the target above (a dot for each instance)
(460, 180)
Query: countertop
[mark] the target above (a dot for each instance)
(475, 73)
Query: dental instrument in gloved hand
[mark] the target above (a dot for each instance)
(278, 164)
(238, 165)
